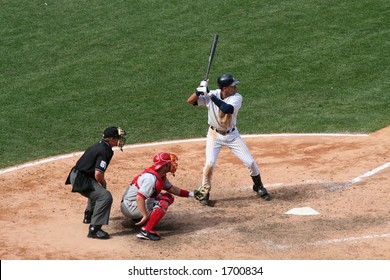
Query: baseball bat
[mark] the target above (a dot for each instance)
(211, 55)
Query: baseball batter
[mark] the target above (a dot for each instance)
(223, 105)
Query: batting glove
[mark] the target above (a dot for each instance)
(209, 94)
(198, 93)
(204, 83)
(201, 90)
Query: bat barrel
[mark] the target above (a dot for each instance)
(211, 55)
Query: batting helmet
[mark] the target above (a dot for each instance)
(227, 80)
(163, 158)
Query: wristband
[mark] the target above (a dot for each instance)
(184, 193)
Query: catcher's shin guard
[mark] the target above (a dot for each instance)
(157, 214)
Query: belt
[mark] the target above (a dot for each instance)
(223, 132)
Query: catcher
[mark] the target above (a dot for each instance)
(144, 202)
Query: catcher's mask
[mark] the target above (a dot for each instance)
(117, 133)
(163, 158)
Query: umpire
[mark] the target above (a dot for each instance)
(87, 178)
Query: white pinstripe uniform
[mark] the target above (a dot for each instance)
(223, 132)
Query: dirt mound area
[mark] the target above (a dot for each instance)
(344, 178)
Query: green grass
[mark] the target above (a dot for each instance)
(69, 69)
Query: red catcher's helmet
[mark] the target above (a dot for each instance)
(163, 158)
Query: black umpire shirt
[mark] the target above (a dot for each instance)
(98, 156)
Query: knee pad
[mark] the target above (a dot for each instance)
(162, 204)
(163, 201)
(167, 197)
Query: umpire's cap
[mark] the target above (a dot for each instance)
(117, 133)
(111, 132)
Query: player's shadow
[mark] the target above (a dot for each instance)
(123, 226)
(249, 197)
(193, 224)
(169, 226)
(301, 192)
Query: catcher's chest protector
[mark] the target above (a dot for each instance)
(160, 182)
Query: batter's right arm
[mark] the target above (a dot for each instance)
(201, 90)
(193, 99)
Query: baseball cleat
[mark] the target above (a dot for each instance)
(148, 235)
(207, 202)
(96, 232)
(262, 192)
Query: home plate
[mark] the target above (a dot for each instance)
(302, 211)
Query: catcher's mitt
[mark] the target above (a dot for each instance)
(203, 195)
(202, 192)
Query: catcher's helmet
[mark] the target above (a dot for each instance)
(163, 158)
(227, 80)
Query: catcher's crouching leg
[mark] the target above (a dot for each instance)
(159, 210)
(162, 203)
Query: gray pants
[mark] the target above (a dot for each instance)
(99, 202)
(130, 209)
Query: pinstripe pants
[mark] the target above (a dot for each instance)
(215, 142)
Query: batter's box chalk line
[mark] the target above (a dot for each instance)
(278, 246)
(329, 185)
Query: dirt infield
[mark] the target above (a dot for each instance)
(334, 175)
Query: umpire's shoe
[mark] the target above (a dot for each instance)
(148, 235)
(97, 232)
(262, 192)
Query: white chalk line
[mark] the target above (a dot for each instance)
(135, 146)
(369, 173)
(325, 242)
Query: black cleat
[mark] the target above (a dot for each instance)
(207, 201)
(262, 192)
(97, 232)
(148, 235)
